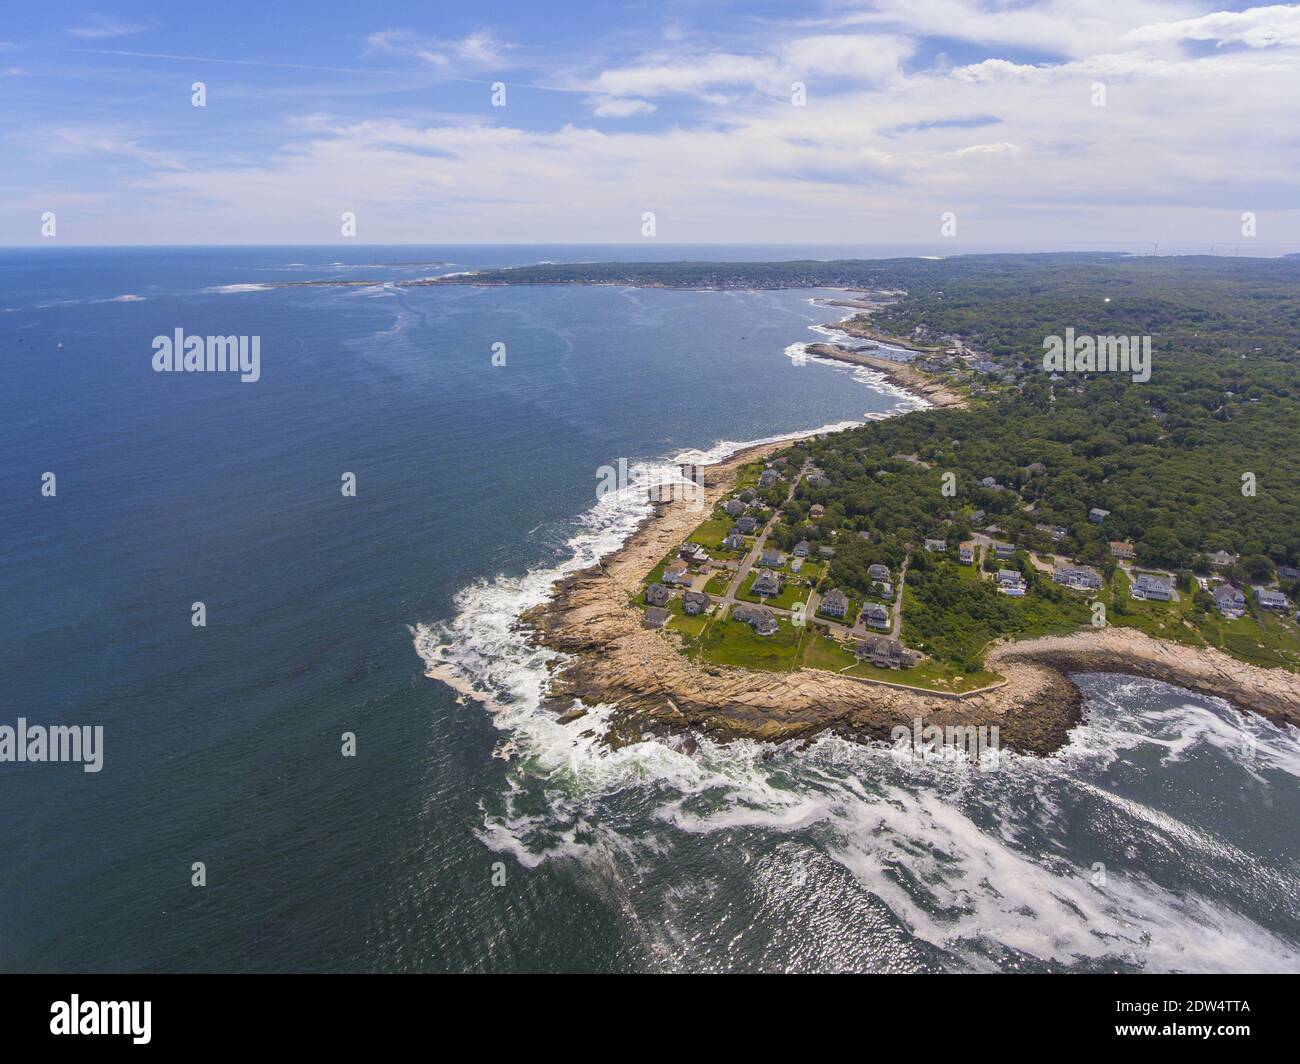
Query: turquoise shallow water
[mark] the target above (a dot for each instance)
(476, 484)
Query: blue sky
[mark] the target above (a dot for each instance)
(987, 109)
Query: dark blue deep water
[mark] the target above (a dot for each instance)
(475, 485)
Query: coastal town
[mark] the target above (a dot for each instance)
(739, 597)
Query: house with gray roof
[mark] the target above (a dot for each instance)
(746, 525)
(940, 545)
(734, 507)
(1229, 601)
(1222, 558)
(1003, 550)
(734, 541)
(1288, 572)
(1270, 600)
(878, 572)
(1097, 515)
(771, 559)
(657, 595)
(876, 615)
(884, 652)
(766, 583)
(677, 573)
(655, 617)
(1077, 577)
(761, 620)
(1154, 586)
(695, 603)
(826, 552)
(966, 555)
(835, 603)
(802, 549)
(768, 477)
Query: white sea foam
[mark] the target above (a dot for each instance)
(240, 288)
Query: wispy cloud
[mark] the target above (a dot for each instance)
(476, 51)
(98, 27)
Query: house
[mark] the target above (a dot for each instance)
(802, 549)
(818, 479)
(878, 572)
(1010, 583)
(658, 595)
(693, 552)
(735, 541)
(884, 589)
(1229, 601)
(1153, 586)
(1002, 551)
(1077, 577)
(796, 564)
(1222, 558)
(734, 507)
(771, 559)
(966, 555)
(768, 477)
(884, 652)
(876, 615)
(1097, 516)
(655, 617)
(677, 573)
(746, 525)
(1054, 532)
(1288, 572)
(1270, 600)
(780, 463)
(1122, 549)
(826, 552)
(816, 510)
(940, 545)
(695, 603)
(766, 583)
(835, 603)
(761, 620)
(977, 518)
(990, 482)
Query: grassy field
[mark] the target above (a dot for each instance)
(719, 583)
(825, 653)
(730, 642)
(1270, 641)
(711, 533)
(1161, 620)
(691, 627)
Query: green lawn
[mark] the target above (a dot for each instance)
(691, 627)
(711, 533)
(1161, 620)
(1270, 641)
(730, 642)
(719, 583)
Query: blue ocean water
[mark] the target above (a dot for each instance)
(475, 487)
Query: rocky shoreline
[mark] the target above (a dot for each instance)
(611, 659)
(899, 373)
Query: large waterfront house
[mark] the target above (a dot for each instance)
(766, 583)
(677, 573)
(1011, 583)
(693, 552)
(1152, 586)
(1229, 601)
(657, 595)
(1077, 577)
(876, 615)
(768, 477)
(761, 620)
(835, 603)
(694, 603)
(1270, 600)
(655, 617)
(734, 507)
(885, 652)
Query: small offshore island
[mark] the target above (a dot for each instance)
(955, 564)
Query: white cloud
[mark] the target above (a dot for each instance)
(614, 107)
(477, 51)
(98, 27)
(1256, 27)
